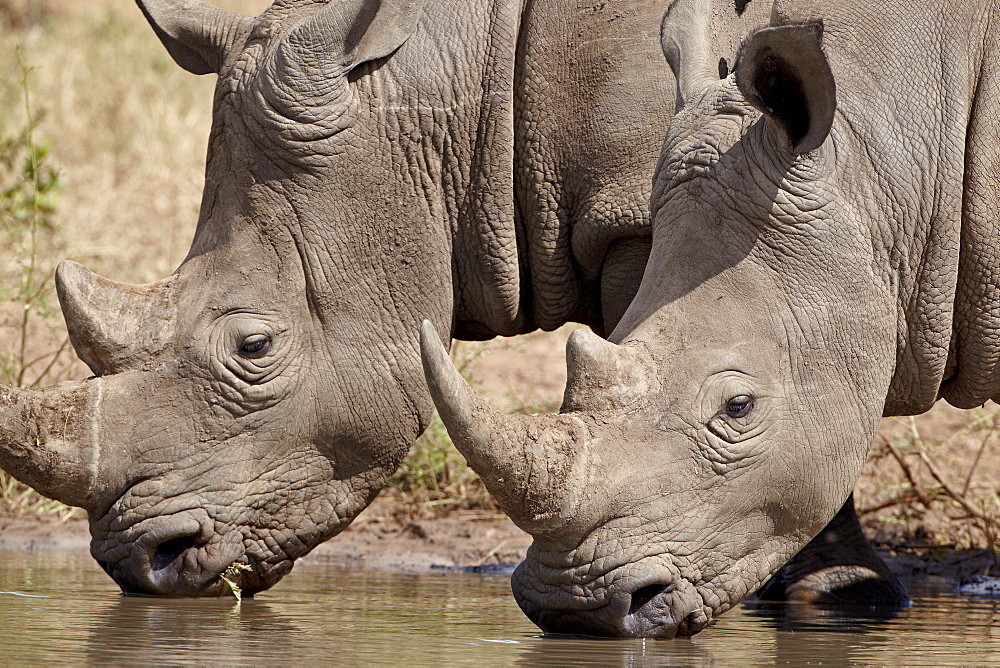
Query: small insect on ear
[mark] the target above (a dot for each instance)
(784, 73)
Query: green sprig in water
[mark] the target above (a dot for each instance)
(233, 571)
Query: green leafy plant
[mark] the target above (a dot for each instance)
(28, 189)
(228, 576)
(435, 475)
(29, 185)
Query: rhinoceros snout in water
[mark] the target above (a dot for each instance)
(639, 603)
(179, 556)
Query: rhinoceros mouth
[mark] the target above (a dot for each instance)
(637, 600)
(665, 611)
(184, 554)
(153, 543)
(175, 555)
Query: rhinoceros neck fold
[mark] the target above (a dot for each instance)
(488, 289)
(48, 439)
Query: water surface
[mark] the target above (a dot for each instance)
(60, 607)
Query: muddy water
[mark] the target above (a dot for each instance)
(59, 607)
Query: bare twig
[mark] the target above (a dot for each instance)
(979, 454)
(489, 555)
(918, 492)
(949, 490)
(906, 496)
(56, 356)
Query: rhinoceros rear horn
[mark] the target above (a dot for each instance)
(197, 35)
(114, 326)
(602, 376)
(784, 73)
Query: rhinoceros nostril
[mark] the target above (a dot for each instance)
(168, 551)
(644, 595)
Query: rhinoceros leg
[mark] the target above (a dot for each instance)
(839, 566)
(620, 277)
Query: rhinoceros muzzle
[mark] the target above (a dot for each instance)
(659, 604)
(175, 555)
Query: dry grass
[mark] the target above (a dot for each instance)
(127, 131)
(931, 480)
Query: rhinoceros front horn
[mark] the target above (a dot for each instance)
(48, 440)
(114, 326)
(533, 465)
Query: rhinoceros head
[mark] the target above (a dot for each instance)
(728, 417)
(248, 407)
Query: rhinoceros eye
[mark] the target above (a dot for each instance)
(739, 406)
(254, 346)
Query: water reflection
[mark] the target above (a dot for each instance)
(801, 617)
(322, 614)
(210, 630)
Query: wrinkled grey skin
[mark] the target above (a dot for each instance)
(825, 252)
(361, 176)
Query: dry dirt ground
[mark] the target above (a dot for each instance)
(128, 131)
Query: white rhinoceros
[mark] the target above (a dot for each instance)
(483, 163)
(826, 250)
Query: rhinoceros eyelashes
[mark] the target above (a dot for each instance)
(739, 406)
(254, 346)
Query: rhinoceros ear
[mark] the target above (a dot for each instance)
(392, 25)
(783, 72)
(687, 45)
(197, 35)
(347, 33)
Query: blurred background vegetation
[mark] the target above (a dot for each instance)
(102, 145)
